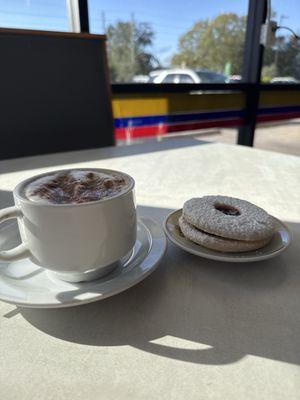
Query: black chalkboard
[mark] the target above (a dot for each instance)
(54, 93)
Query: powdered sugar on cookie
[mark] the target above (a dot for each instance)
(216, 242)
(229, 218)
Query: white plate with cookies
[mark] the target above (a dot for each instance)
(227, 229)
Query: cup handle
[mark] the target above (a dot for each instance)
(20, 251)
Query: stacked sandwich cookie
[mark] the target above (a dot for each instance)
(226, 224)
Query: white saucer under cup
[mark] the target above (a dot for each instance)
(280, 242)
(94, 273)
(82, 238)
(25, 284)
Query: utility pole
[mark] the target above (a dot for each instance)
(103, 21)
(277, 49)
(132, 45)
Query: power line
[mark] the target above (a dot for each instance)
(22, 14)
(42, 3)
(146, 13)
(125, 13)
(162, 29)
(103, 21)
(132, 25)
(289, 29)
(178, 27)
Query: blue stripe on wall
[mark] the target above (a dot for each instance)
(173, 118)
(281, 109)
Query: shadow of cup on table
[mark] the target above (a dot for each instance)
(7, 198)
(217, 312)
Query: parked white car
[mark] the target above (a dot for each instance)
(186, 75)
(140, 79)
(284, 79)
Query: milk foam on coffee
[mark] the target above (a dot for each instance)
(75, 187)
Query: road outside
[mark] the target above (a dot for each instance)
(282, 138)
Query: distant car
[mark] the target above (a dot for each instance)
(154, 74)
(186, 75)
(284, 79)
(207, 76)
(235, 78)
(140, 79)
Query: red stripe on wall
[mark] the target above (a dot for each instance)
(140, 131)
(277, 117)
(155, 130)
(189, 126)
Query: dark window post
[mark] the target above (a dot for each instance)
(84, 15)
(253, 56)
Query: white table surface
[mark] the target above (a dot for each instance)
(194, 329)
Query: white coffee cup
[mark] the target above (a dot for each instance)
(74, 238)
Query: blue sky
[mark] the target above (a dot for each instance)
(169, 19)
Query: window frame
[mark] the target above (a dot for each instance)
(250, 85)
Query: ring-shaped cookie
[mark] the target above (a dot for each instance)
(229, 217)
(216, 242)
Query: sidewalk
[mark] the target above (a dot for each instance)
(283, 138)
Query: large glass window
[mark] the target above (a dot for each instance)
(163, 35)
(34, 14)
(176, 42)
(281, 65)
(281, 62)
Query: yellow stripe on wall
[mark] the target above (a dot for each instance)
(133, 105)
(279, 98)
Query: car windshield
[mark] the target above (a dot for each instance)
(151, 79)
(208, 76)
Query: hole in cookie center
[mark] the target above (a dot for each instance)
(228, 210)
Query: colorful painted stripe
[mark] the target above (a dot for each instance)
(163, 129)
(279, 98)
(145, 104)
(279, 109)
(175, 118)
(269, 114)
(155, 125)
(277, 117)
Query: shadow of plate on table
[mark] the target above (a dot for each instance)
(192, 309)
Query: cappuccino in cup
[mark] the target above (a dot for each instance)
(75, 187)
(76, 222)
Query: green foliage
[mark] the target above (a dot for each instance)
(128, 54)
(268, 72)
(288, 63)
(213, 43)
(216, 44)
(283, 60)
